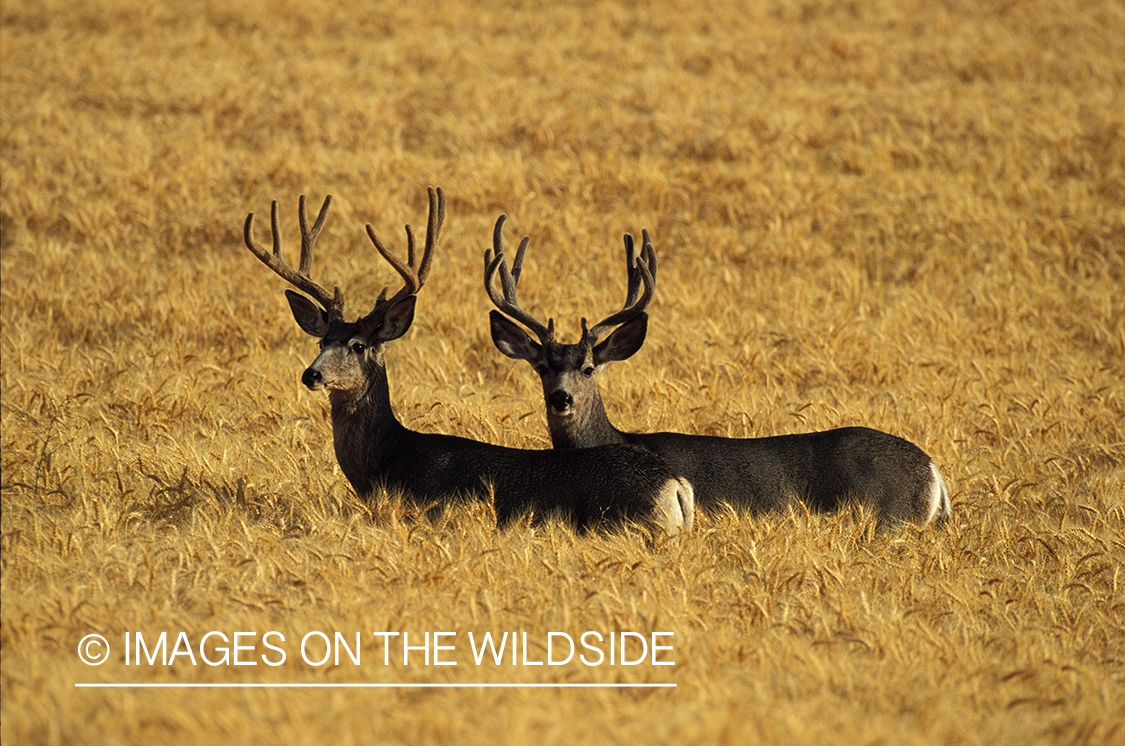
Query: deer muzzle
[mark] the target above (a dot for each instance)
(560, 401)
(313, 379)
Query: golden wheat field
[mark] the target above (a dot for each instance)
(903, 214)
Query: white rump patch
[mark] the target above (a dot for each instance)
(939, 497)
(675, 506)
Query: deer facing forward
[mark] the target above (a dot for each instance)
(823, 470)
(590, 487)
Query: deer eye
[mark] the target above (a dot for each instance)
(588, 371)
(357, 347)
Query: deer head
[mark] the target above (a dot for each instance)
(351, 353)
(568, 371)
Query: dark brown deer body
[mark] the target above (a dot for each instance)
(590, 487)
(824, 470)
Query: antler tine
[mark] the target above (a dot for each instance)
(433, 230)
(634, 277)
(508, 303)
(414, 273)
(648, 255)
(308, 238)
(332, 302)
(641, 271)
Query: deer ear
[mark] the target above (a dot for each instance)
(397, 319)
(310, 317)
(624, 342)
(511, 340)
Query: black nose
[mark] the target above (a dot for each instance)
(311, 377)
(560, 401)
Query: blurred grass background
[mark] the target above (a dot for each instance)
(900, 214)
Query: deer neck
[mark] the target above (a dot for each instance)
(364, 432)
(583, 427)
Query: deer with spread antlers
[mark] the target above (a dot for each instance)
(591, 487)
(891, 476)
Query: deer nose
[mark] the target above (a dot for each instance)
(311, 378)
(560, 401)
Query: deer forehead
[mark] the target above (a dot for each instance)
(341, 333)
(561, 357)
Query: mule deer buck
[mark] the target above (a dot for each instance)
(591, 487)
(823, 470)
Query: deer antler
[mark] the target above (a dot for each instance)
(641, 270)
(333, 302)
(413, 274)
(509, 282)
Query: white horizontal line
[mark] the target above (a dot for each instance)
(299, 685)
